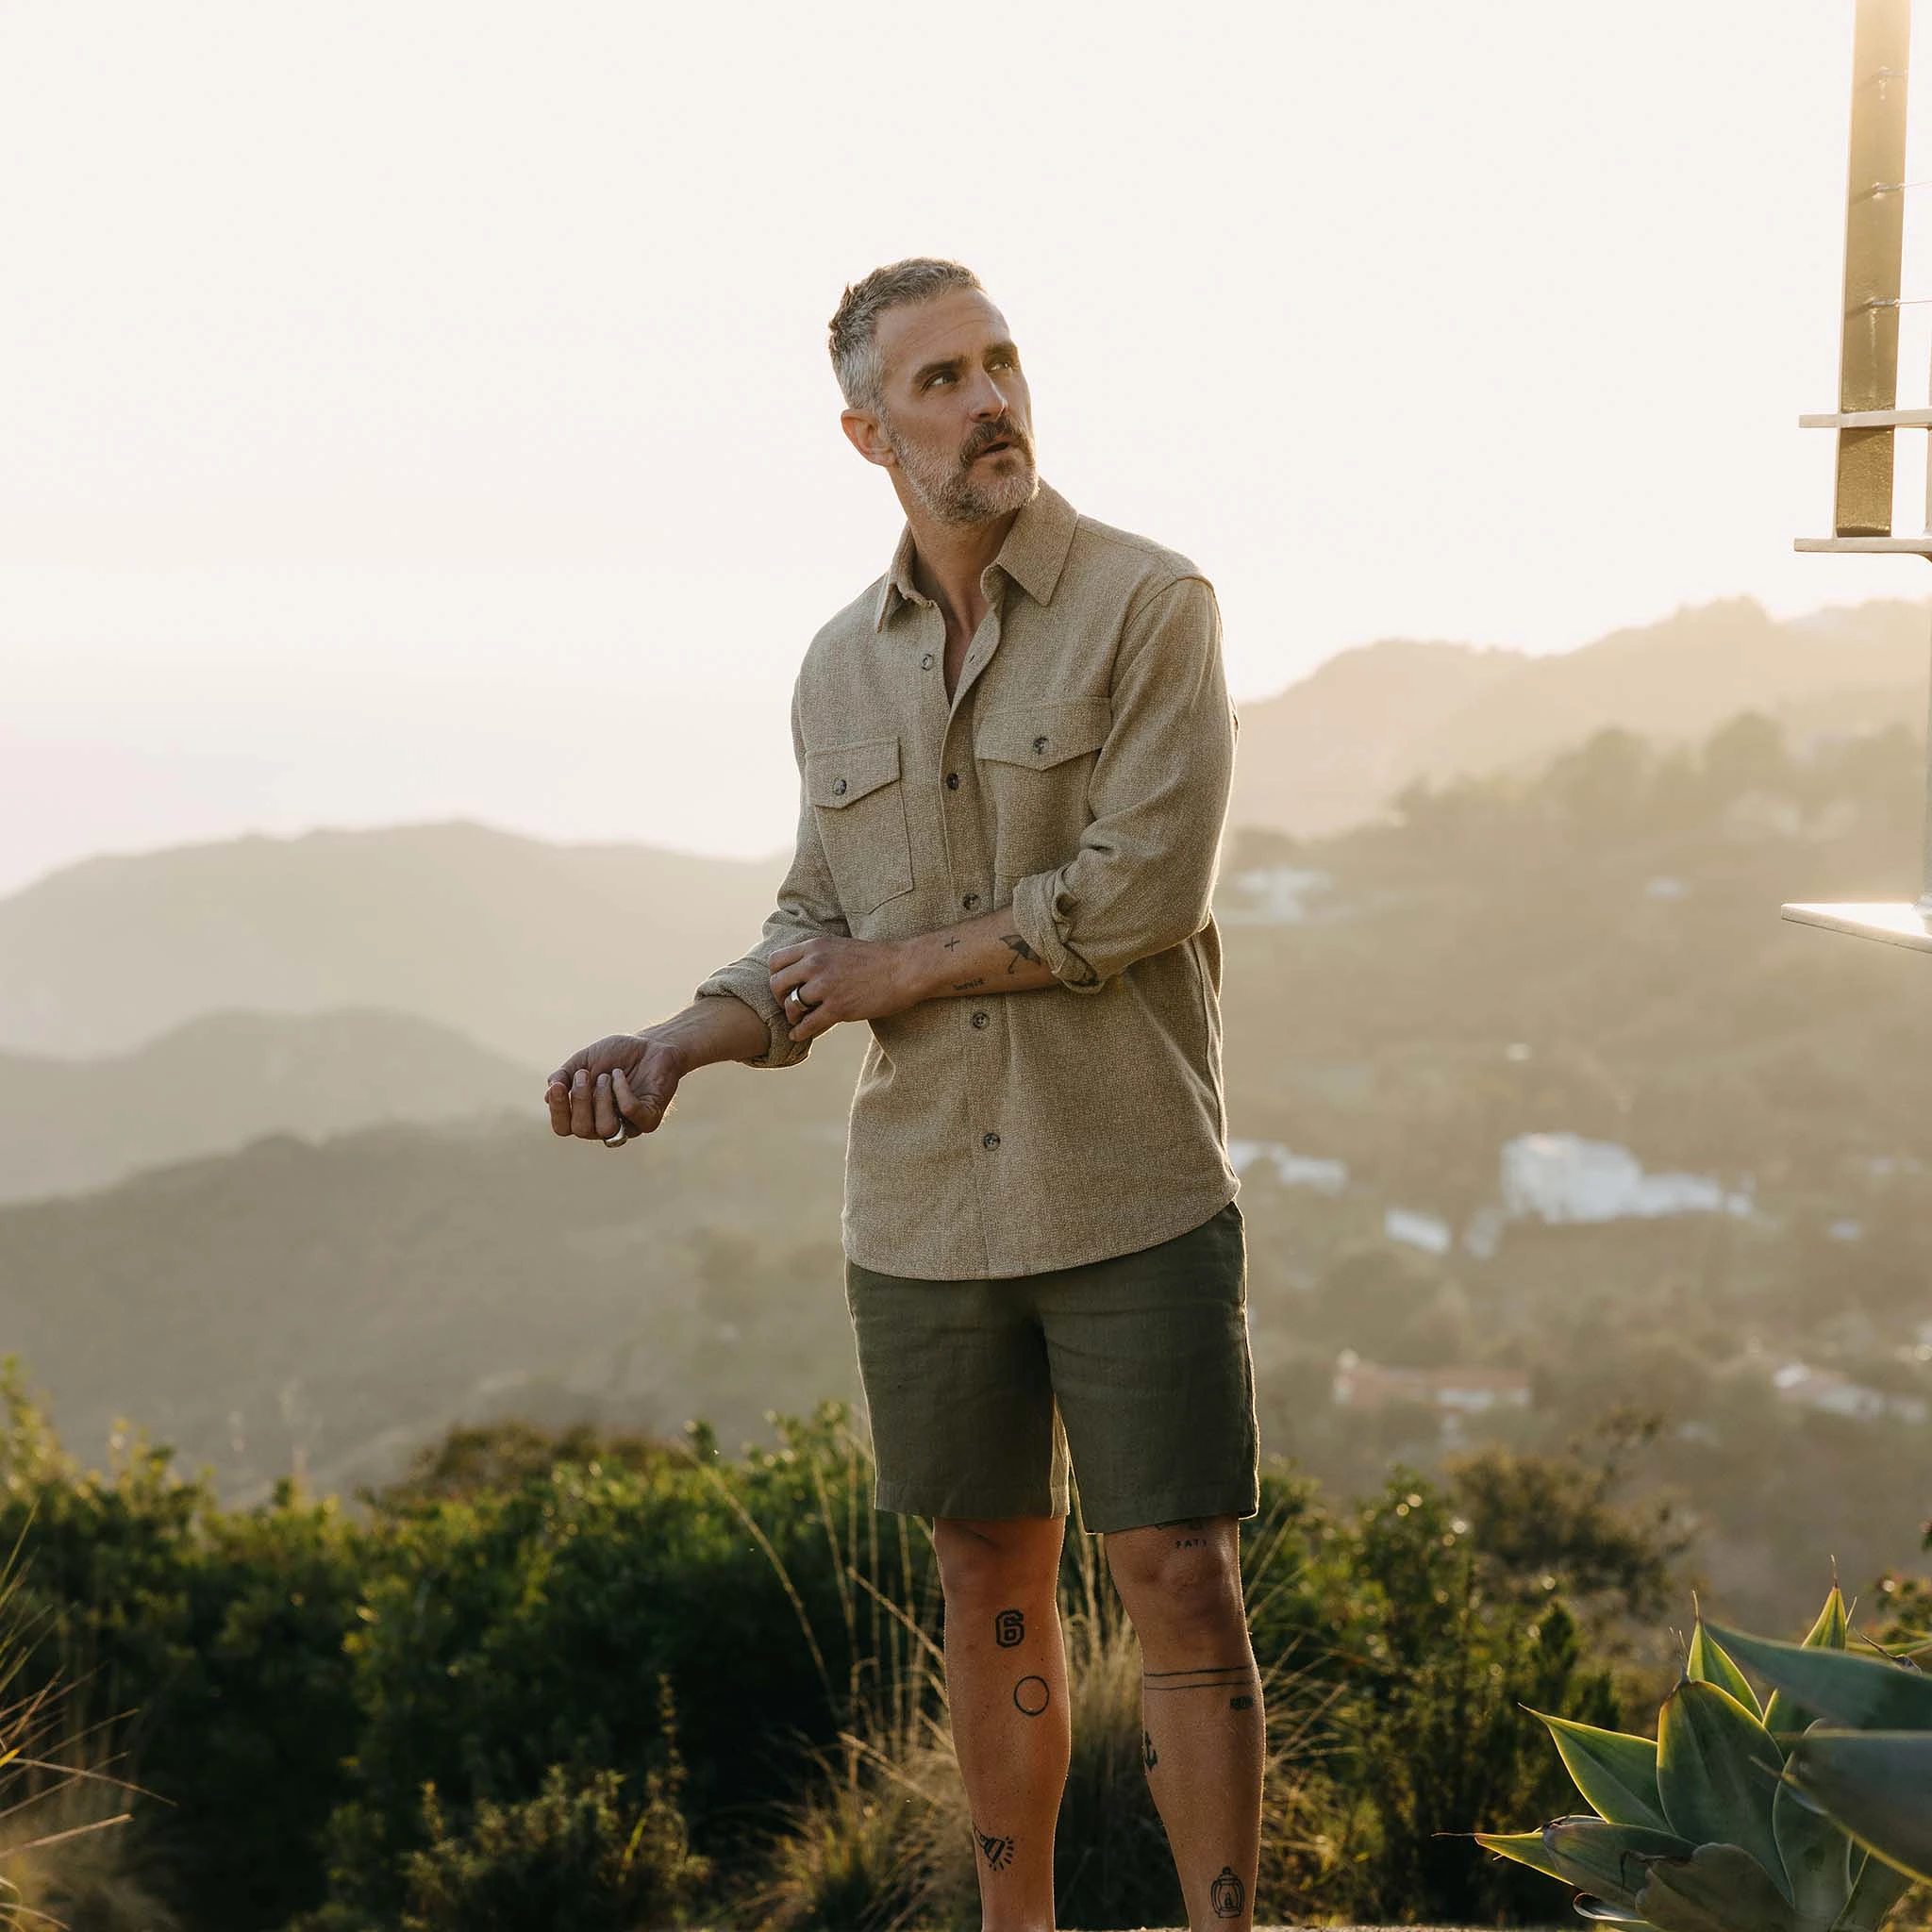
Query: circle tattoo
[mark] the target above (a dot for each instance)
(1031, 1695)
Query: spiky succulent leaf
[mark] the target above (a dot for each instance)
(1600, 1912)
(1609, 1861)
(1817, 1858)
(1709, 1664)
(1784, 1716)
(1877, 1785)
(1858, 1694)
(1523, 1848)
(1616, 1773)
(1719, 1888)
(1717, 1771)
(1876, 1887)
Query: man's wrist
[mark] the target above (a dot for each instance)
(707, 1031)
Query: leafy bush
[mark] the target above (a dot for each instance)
(576, 1857)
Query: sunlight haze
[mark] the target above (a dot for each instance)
(419, 411)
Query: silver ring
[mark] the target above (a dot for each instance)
(625, 1131)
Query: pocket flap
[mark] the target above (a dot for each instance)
(1043, 734)
(842, 774)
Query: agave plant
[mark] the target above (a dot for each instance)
(1714, 1827)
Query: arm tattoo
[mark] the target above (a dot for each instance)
(966, 985)
(1021, 950)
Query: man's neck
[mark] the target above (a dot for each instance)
(948, 560)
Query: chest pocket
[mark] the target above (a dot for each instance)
(1034, 761)
(860, 808)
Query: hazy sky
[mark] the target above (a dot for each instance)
(417, 409)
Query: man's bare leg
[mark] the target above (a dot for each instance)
(1205, 1731)
(1006, 1687)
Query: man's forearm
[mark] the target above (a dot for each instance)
(712, 1030)
(979, 956)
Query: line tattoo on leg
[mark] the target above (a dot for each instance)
(1210, 1678)
(1031, 1697)
(998, 1852)
(1021, 951)
(1227, 1895)
(1009, 1628)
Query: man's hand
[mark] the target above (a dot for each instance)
(629, 1078)
(821, 981)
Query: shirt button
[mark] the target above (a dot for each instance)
(989, 1140)
(1039, 744)
(952, 781)
(980, 1019)
(839, 787)
(970, 901)
(925, 662)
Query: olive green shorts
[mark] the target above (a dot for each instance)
(1138, 1364)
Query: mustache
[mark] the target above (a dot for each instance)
(983, 439)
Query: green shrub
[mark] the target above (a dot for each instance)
(577, 1857)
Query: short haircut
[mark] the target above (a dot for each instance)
(854, 342)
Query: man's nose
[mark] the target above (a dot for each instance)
(989, 399)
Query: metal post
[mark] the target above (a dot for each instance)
(1874, 242)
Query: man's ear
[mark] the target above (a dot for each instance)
(866, 435)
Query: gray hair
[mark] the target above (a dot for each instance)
(854, 342)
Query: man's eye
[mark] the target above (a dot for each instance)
(933, 381)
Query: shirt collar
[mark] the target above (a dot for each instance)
(1034, 555)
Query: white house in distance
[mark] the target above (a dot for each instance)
(1292, 1170)
(1563, 1178)
(1832, 1393)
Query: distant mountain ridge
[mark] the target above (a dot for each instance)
(528, 947)
(219, 1082)
(1331, 751)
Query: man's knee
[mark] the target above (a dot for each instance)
(1182, 1576)
(1005, 1559)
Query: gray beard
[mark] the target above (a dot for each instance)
(952, 494)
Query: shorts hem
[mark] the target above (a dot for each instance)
(908, 1499)
(1178, 1507)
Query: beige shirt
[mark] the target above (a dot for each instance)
(1080, 777)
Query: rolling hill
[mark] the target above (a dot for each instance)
(218, 1082)
(527, 947)
(1332, 750)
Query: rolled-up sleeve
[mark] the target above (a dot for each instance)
(1142, 880)
(807, 907)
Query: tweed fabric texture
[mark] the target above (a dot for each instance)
(1078, 778)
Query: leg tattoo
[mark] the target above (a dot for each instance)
(1031, 1695)
(998, 1852)
(1008, 1628)
(1227, 1895)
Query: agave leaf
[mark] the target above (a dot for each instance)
(1876, 1887)
(1717, 1773)
(1817, 1858)
(1524, 1848)
(1719, 1888)
(1858, 1693)
(1616, 1773)
(1709, 1664)
(1877, 1785)
(1600, 1912)
(1609, 1861)
(1784, 1716)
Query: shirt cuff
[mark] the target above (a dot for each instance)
(1043, 910)
(749, 982)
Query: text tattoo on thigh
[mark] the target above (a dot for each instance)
(1227, 1895)
(1009, 1628)
(1031, 1697)
(1190, 1537)
(998, 1852)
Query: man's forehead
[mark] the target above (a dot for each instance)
(960, 321)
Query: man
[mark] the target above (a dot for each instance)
(1015, 750)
